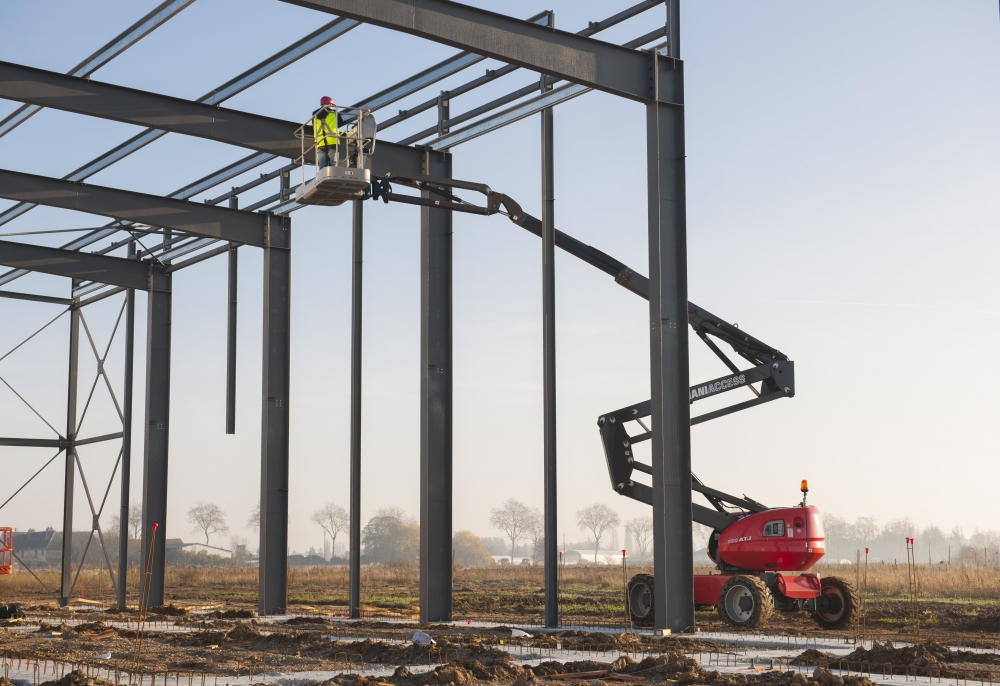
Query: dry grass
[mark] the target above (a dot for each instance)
(585, 591)
(934, 582)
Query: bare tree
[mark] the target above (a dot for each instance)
(512, 518)
(332, 519)
(866, 529)
(253, 522)
(642, 533)
(534, 529)
(134, 520)
(208, 518)
(597, 519)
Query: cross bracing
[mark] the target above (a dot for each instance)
(162, 235)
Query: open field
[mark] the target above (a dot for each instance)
(588, 595)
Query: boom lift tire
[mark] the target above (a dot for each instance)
(640, 600)
(745, 602)
(843, 604)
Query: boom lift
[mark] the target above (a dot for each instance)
(761, 553)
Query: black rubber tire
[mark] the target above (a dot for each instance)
(641, 604)
(849, 604)
(745, 603)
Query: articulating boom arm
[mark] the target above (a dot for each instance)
(772, 368)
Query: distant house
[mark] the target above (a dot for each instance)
(586, 557)
(36, 548)
(196, 548)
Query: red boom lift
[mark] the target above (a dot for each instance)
(761, 554)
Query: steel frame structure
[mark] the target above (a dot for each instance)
(202, 231)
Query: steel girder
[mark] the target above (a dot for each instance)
(141, 108)
(193, 218)
(582, 60)
(116, 46)
(114, 271)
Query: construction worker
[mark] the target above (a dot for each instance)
(325, 133)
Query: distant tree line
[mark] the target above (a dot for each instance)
(845, 540)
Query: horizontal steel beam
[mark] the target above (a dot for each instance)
(116, 46)
(517, 112)
(582, 60)
(141, 108)
(194, 218)
(33, 442)
(36, 298)
(132, 106)
(116, 271)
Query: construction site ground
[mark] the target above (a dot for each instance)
(85, 645)
(209, 634)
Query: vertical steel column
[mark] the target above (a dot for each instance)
(273, 583)
(549, 364)
(157, 435)
(435, 403)
(354, 596)
(126, 440)
(671, 415)
(69, 479)
(234, 203)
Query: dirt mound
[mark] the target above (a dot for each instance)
(233, 614)
(91, 628)
(985, 619)
(78, 678)
(813, 657)
(170, 610)
(926, 658)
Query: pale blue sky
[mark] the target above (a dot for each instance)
(842, 206)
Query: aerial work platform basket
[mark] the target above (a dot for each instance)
(348, 177)
(6, 550)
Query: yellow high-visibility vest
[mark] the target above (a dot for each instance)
(325, 128)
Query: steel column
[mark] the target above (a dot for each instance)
(69, 480)
(671, 413)
(157, 434)
(435, 403)
(549, 366)
(126, 441)
(354, 597)
(273, 583)
(234, 203)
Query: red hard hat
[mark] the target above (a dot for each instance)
(326, 100)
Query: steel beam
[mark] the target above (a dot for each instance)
(551, 553)
(668, 312)
(357, 249)
(582, 60)
(101, 268)
(33, 442)
(36, 298)
(69, 474)
(132, 106)
(157, 434)
(273, 580)
(231, 337)
(194, 218)
(435, 403)
(126, 442)
(116, 46)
